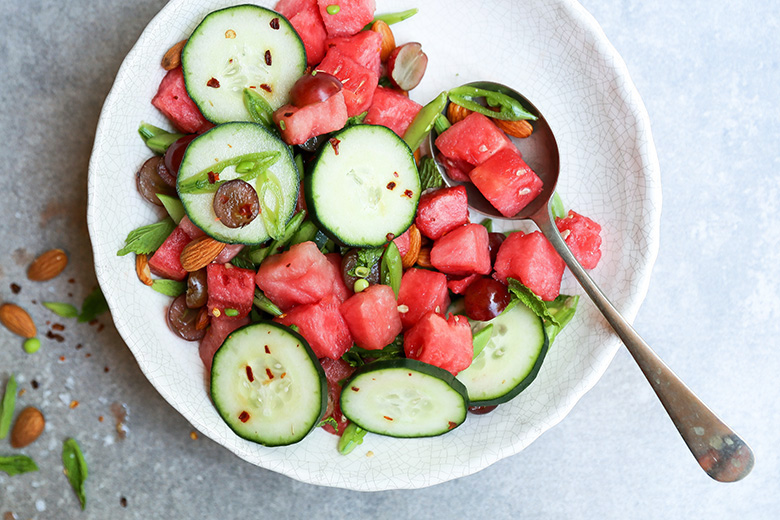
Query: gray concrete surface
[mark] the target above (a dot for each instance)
(708, 75)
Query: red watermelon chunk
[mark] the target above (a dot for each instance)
(507, 182)
(347, 17)
(336, 370)
(403, 241)
(322, 326)
(421, 292)
(439, 342)
(474, 140)
(364, 48)
(462, 251)
(230, 287)
(191, 229)
(172, 100)
(297, 125)
(459, 284)
(301, 275)
(392, 109)
(456, 169)
(340, 288)
(221, 327)
(372, 317)
(304, 15)
(290, 8)
(166, 261)
(533, 261)
(441, 211)
(359, 82)
(583, 238)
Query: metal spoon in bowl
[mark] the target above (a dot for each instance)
(720, 452)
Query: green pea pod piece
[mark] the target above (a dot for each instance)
(510, 108)
(441, 124)
(424, 120)
(147, 131)
(557, 207)
(7, 406)
(259, 109)
(159, 143)
(391, 18)
(173, 206)
(262, 302)
(391, 268)
(352, 436)
(305, 233)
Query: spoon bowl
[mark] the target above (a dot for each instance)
(720, 452)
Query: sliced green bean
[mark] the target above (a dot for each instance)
(262, 302)
(441, 124)
(424, 120)
(159, 143)
(391, 18)
(259, 109)
(305, 233)
(391, 268)
(510, 109)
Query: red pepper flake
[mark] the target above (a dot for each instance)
(335, 144)
(213, 83)
(355, 389)
(79, 346)
(244, 417)
(283, 374)
(288, 114)
(71, 280)
(249, 374)
(410, 374)
(213, 177)
(101, 327)
(87, 355)
(409, 193)
(275, 24)
(55, 337)
(395, 174)
(34, 384)
(101, 418)
(245, 210)
(388, 418)
(391, 185)
(15, 288)
(73, 404)
(58, 326)
(93, 322)
(266, 87)
(451, 425)
(62, 358)
(268, 58)
(269, 373)
(106, 369)
(389, 238)
(267, 350)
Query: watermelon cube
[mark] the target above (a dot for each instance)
(359, 82)
(441, 211)
(459, 284)
(403, 241)
(364, 48)
(340, 288)
(464, 250)
(166, 261)
(533, 261)
(299, 276)
(439, 342)
(221, 327)
(322, 326)
(392, 109)
(230, 287)
(457, 170)
(336, 370)
(346, 17)
(582, 235)
(473, 139)
(507, 182)
(304, 15)
(172, 100)
(297, 125)
(372, 317)
(422, 291)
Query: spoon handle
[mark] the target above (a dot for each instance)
(720, 452)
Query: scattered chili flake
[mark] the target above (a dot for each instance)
(249, 374)
(395, 174)
(73, 404)
(388, 418)
(288, 114)
(105, 369)
(275, 24)
(267, 350)
(93, 322)
(245, 210)
(266, 87)
(62, 358)
(283, 374)
(268, 58)
(22, 392)
(79, 346)
(213, 83)
(391, 185)
(34, 384)
(101, 327)
(176, 97)
(87, 355)
(269, 373)
(34, 302)
(355, 389)
(335, 144)
(123, 502)
(15, 288)
(409, 193)
(389, 237)
(213, 177)
(71, 280)
(194, 435)
(451, 425)
(244, 417)
(58, 326)
(100, 418)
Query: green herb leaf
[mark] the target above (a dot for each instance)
(357, 356)
(64, 310)
(242, 260)
(391, 268)
(556, 206)
(75, 469)
(367, 257)
(294, 328)
(331, 421)
(7, 407)
(173, 206)
(488, 223)
(563, 308)
(527, 296)
(384, 81)
(481, 338)
(169, 287)
(429, 174)
(356, 120)
(262, 302)
(352, 436)
(17, 464)
(147, 239)
(94, 305)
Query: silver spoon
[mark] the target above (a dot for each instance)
(720, 452)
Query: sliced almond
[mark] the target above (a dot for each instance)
(520, 129)
(200, 252)
(424, 257)
(204, 319)
(388, 40)
(172, 58)
(456, 113)
(142, 269)
(415, 240)
(48, 265)
(17, 320)
(29, 426)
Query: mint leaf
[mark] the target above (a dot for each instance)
(527, 296)
(64, 310)
(352, 436)
(331, 421)
(146, 239)
(357, 356)
(557, 207)
(264, 303)
(169, 287)
(429, 174)
(356, 120)
(241, 260)
(94, 305)
(7, 406)
(563, 308)
(17, 464)
(75, 469)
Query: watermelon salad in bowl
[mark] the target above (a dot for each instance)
(292, 272)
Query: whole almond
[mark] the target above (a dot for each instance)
(142, 269)
(200, 252)
(456, 113)
(520, 128)
(17, 320)
(415, 240)
(29, 426)
(48, 265)
(424, 257)
(388, 40)
(172, 58)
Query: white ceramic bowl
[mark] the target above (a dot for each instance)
(552, 51)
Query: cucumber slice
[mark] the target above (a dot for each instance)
(268, 385)
(404, 398)
(364, 186)
(245, 46)
(510, 360)
(232, 141)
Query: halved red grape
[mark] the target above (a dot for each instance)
(197, 290)
(482, 410)
(348, 263)
(406, 65)
(485, 299)
(236, 203)
(313, 88)
(494, 242)
(175, 153)
(149, 182)
(183, 320)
